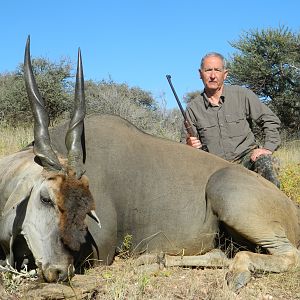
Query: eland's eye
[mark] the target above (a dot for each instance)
(46, 200)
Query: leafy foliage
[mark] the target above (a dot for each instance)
(191, 95)
(56, 85)
(53, 85)
(132, 104)
(268, 62)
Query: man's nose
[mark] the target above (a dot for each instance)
(213, 74)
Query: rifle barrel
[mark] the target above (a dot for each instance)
(176, 97)
(187, 124)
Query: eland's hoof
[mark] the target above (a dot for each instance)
(236, 281)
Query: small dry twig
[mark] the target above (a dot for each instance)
(24, 273)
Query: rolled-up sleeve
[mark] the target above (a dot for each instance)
(266, 120)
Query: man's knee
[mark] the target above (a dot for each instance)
(268, 166)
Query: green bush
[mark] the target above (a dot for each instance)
(134, 105)
(52, 80)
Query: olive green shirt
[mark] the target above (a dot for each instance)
(226, 129)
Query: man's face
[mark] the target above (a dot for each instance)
(213, 73)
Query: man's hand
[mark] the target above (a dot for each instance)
(194, 142)
(258, 152)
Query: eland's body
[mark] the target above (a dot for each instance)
(172, 198)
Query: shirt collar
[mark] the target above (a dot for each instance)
(206, 101)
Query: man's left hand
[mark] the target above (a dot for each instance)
(258, 152)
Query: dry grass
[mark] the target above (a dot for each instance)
(289, 153)
(14, 139)
(127, 282)
(124, 280)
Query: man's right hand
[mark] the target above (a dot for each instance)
(194, 142)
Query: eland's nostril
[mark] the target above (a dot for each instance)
(66, 275)
(55, 274)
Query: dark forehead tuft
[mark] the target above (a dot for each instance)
(75, 201)
(75, 192)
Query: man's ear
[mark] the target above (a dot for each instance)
(225, 74)
(200, 73)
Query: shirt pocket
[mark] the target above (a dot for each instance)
(236, 124)
(208, 131)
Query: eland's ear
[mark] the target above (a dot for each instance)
(14, 213)
(20, 193)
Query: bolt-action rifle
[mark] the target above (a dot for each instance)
(186, 122)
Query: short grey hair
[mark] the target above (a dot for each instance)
(216, 54)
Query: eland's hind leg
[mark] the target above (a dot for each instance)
(255, 211)
(245, 263)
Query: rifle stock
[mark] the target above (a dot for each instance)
(186, 122)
